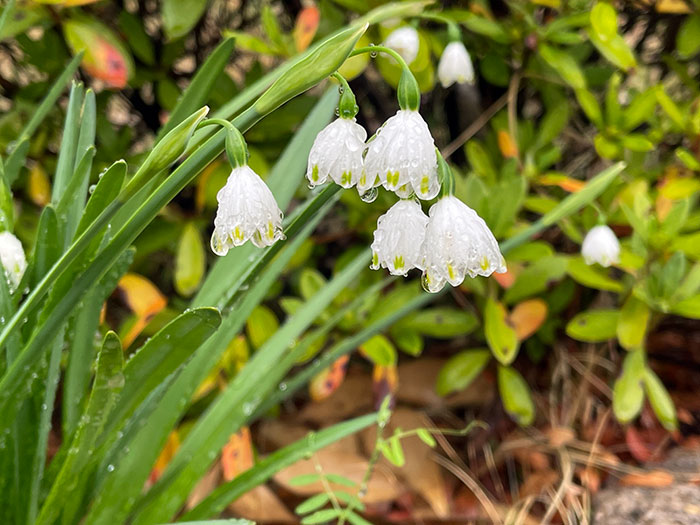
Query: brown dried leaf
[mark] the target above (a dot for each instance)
(654, 478)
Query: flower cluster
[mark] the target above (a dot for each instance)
(447, 245)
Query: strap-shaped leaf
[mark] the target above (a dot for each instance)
(109, 381)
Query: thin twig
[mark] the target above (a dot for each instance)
(475, 126)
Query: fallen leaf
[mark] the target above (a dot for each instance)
(237, 454)
(143, 299)
(559, 436)
(654, 478)
(417, 380)
(420, 471)
(636, 445)
(261, 505)
(383, 485)
(385, 382)
(204, 487)
(171, 446)
(538, 482)
(328, 380)
(506, 279)
(353, 396)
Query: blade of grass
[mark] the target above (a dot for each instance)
(226, 493)
(109, 381)
(80, 358)
(69, 143)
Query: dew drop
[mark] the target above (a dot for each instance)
(92, 188)
(370, 195)
(110, 468)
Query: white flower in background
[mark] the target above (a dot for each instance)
(398, 238)
(601, 246)
(12, 258)
(247, 211)
(455, 65)
(402, 156)
(337, 153)
(405, 42)
(458, 243)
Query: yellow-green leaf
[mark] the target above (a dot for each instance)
(500, 335)
(515, 395)
(593, 326)
(632, 323)
(190, 261)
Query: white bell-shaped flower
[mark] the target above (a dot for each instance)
(13, 260)
(405, 42)
(455, 65)
(401, 157)
(601, 246)
(247, 211)
(337, 153)
(398, 238)
(457, 243)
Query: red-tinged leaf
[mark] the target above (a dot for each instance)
(385, 382)
(508, 147)
(564, 182)
(527, 317)
(306, 26)
(327, 381)
(144, 300)
(506, 280)
(237, 454)
(106, 58)
(166, 455)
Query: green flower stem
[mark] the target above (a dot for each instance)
(408, 91)
(447, 179)
(347, 105)
(453, 32)
(236, 148)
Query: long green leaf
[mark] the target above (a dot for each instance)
(69, 143)
(84, 326)
(109, 380)
(265, 469)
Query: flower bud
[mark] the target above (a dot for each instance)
(320, 62)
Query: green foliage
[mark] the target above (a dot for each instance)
(586, 132)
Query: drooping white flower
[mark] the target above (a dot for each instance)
(405, 42)
(458, 243)
(13, 260)
(398, 238)
(247, 211)
(402, 157)
(601, 246)
(337, 153)
(455, 65)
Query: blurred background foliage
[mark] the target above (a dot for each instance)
(563, 89)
